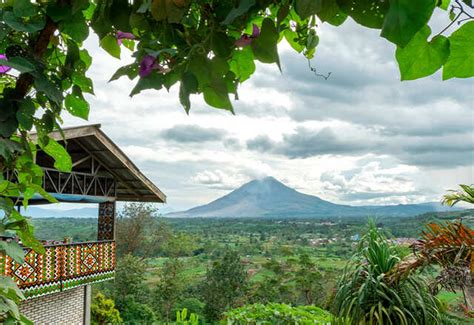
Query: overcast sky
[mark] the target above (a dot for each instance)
(360, 137)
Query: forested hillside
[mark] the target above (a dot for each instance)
(209, 266)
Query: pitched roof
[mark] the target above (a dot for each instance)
(90, 140)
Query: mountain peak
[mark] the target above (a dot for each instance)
(267, 185)
(268, 197)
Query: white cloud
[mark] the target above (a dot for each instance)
(363, 104)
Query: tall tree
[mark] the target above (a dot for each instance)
(140, 232)
(170, 287)
(225, 285)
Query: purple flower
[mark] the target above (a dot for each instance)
(246, 39)
(123, 35)
(255, 31)
(4, 68)
(148, 64)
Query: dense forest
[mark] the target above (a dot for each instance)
(209, 267)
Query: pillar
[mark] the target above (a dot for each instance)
(106, 221)
(87, 304)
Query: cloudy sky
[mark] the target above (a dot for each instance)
(360, 137)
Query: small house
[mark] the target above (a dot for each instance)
(56, 284)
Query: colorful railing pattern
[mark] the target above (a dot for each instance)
(62, 267)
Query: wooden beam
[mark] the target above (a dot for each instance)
(109, 170)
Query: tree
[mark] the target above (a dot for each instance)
(139, 231)
(294, 281)
(129, 281)
(225, 285)
(103, 311)
(170, 287)
(134, 312)
(208, 47)
(309, 279)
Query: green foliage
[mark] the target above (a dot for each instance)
(366, 294)
(422, 57)
(139, 232)
(461, 59)
(191, 43)
(297, 281)
(129, 283)
(103, 311)
(182, 318)
(277, 314)
(465, 194)
(192, 305)
(225, 285)
(134, 312)
(170, 287)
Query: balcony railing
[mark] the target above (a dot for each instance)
(62, 267)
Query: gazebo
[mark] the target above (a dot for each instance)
(57, 284)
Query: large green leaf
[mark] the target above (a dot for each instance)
(7, 148)
(25, 113)
(62, 160)
(109, 43)
(120, 11)
(77, 106)
(51, 90)
(188, 86)
(153, 81)
(460, 63)
(33, 25)
(265, 45)
(131, 71)
(217, 95)
(169, 10)
(405, 18)
(368, 13)
(306, 8)
(421, 58)
(76, 27)
(23, 8)
(242, 63)
(13, 250)
(329, 11)
(19, 63)
(82, 82)
(242, 8)
(221, 44)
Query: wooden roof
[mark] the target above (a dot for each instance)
(84, 142)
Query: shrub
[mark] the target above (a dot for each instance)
(277, 314)
(366, 294)
(103, 311)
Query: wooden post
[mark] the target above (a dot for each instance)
(106, 221)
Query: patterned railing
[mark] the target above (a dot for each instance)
(62, 267)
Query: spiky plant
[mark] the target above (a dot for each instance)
(465, 194)
(449, 245)
(367, 295)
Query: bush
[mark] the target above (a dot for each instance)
(192, 305)
(137, 313)
(103, 311)
(277, 314)
(367, 295)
